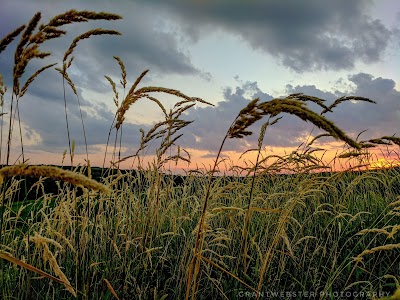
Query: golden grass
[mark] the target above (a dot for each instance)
(10, 37)
(53, 173)
(254, 112)
(293, 104)
(109, 286)
(48, 256)
(359, 257)
(134, 95)
(87, 35)
(63, 280)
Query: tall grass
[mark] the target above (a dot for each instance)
(277, 226)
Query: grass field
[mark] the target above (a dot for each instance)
(277, 230)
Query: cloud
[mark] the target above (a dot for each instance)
(379, 119)
(211, 123)
(142, 45)
(309, 36)
(303, 35)
(47, 118)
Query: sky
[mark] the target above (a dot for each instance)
(225, 52)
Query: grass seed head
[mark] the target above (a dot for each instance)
(53, 173)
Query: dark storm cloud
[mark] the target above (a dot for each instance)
(141, 45)
(303, 35)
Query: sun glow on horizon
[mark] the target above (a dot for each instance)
(230, 162)
(383, 163)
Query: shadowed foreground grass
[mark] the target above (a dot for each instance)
(140, 240)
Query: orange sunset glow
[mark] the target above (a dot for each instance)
(384, 163)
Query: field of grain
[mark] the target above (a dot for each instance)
(278, 230)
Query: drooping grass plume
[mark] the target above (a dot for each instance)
(351, 154)
(110, 287)
(318, 137)
(10, 37)
(379, 141)
(67, 78)
(346, 98)
(114, 88)
(254, 112)
(86, 35)
(123, 71)
(376, 249)
(135, 95)
(24, 53)
(165, 129)
(32, 78)
(306, 98)
(28, 48)
(53, 173)
(29, 267)
(74, 16)
(393, 139)
(48, 256)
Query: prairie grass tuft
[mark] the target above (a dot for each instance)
(53, 173)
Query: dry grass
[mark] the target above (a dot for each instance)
(376, 249)
(165, 130)
(53, 173)
(42, 242)
(293, 104)
(63, 280)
